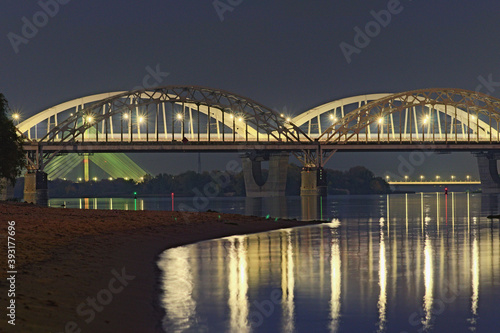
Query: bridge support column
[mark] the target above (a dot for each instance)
(255, 185)
(6, 190)
(313, 181)
(488, 172)
(35, 187)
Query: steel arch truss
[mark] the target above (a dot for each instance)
(433, 115)
(144, 110)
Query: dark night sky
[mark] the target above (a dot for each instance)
(280, 53)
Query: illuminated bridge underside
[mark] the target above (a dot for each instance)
(117, 165)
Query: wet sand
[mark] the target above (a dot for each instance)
(68, 258)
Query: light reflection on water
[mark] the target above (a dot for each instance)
(399, 263)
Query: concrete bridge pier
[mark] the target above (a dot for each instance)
(255, 184)
(488, 171)
(36, 188)
(313, 182)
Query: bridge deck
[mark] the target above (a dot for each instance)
(235, 146)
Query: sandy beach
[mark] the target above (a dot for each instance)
(68, 258)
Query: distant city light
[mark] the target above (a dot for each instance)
(94, 179)
(110, 178)
(79, 179)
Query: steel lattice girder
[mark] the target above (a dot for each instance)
(261, 117)
(357, 120)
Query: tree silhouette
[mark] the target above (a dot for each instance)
(12, 159)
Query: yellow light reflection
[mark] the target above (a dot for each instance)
(429, 284)
(287, 284)
(336, 282)
(238, 285)
(177, 299)
(382, 280)
(475, 278)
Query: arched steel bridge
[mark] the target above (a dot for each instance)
(191, 118)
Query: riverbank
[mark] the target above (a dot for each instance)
(95, 270)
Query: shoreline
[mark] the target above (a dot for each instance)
(64, 256)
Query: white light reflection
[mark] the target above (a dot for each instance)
(336, 282)
(180, 307)
(382, 280)
(475, 278)
(334, 224)
(288, 285)
(238, 285)
(429, 284)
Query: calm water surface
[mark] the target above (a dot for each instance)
(398, 263)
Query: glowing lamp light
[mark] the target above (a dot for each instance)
(141, 119)
(231, 116)
(282, 115)
(125, 116)
(110, 178)
(90, 119)
(179, 116)
(240, 119)
(380, 120)
(331, 116)
(288, 119)
(16, 116)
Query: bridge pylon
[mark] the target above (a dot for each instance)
(488, 171)
(35, 179)
(255, 184)
(313, 180)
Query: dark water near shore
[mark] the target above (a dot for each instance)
(398, 263)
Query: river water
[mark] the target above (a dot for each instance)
(424, 262)
(397, 263)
